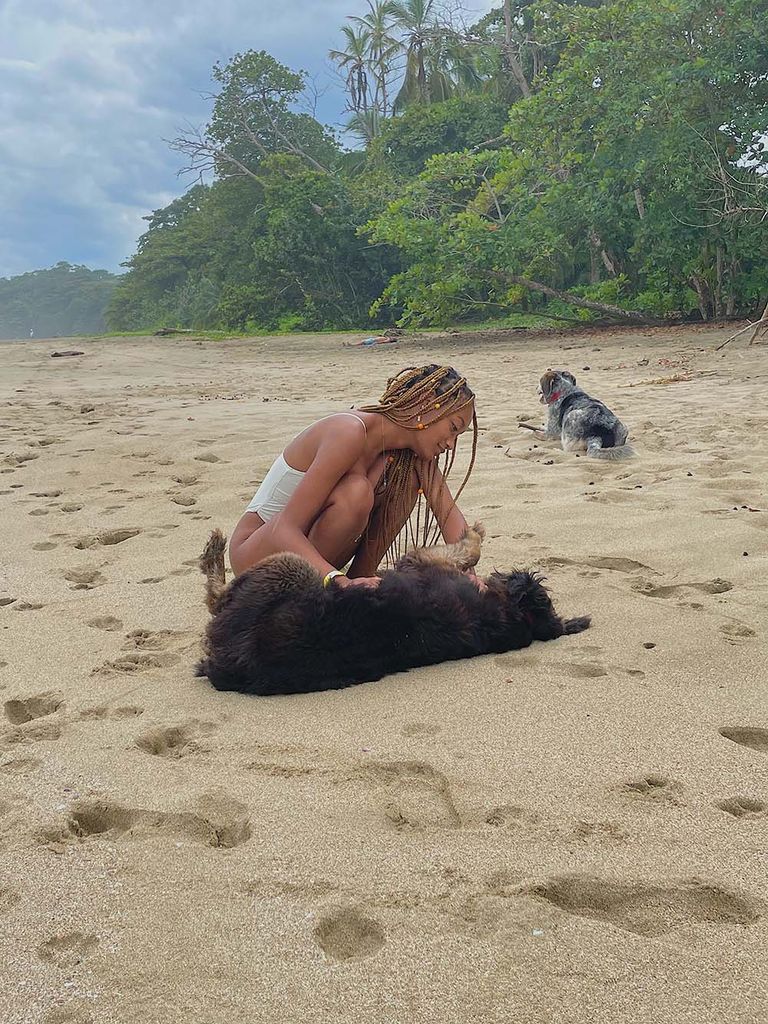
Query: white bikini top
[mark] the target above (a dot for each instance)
(281, 481)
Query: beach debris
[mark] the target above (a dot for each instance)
(163, 332)
(68, 352)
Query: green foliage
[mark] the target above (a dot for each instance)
(615, 167)
(577, 160)
(62, 301)
(406, 143)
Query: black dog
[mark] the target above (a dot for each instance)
(275, 629)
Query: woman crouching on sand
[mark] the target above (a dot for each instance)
(344, 490)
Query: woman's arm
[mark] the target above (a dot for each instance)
(452, 523)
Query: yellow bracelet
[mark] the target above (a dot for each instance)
(331, 575)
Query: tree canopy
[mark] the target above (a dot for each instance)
(567, 160)
(63, 300)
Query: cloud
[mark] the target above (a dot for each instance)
(90, 90)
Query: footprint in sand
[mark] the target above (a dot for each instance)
(420, 729)
(218, 821)
(44, 545)
(20, 765)
(106, 622)
(67, 950)
(346, 933)
(183, 499)
(715, 586)
(106, 537)
(28, 606)
(646, 909)
(84, 579)
(582, 670)
(735, 631)
(413, 795)
(749, 736)
(743, 807)
(32, 732)
(506, 816)
(207, 457)
(8, 898)
(615, 564)
(174, 741)
(27, 709)
(150, 640)
(651, 787)
(138, 662)
(102, 711)
(5, 601)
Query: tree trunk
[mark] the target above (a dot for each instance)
(718, 298)
(608, 263)
(702, 293)
(512, 59)
(617, 312)
(639, 203)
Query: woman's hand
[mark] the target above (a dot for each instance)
(479, 583)
(356, 581)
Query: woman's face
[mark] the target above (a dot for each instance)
(442, 435)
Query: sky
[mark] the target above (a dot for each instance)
(91, 90)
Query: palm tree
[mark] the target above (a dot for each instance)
(382, 47)
(438, 63)
(354, 60)
(414, 18)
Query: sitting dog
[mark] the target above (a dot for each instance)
(579, 421)
(276, 629)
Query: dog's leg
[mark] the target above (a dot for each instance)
(212, 566)
(462, 556)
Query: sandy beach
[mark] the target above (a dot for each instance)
(576, 832)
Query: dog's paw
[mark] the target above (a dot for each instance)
(476, 528)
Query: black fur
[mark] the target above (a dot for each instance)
(276, 630)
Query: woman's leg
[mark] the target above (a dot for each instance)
(334, 533)
(370, 553)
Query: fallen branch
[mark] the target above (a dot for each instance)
(755, 327)
(163, 331)
(616, 312)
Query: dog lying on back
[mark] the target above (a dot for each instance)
(275, 629)
(580, 422)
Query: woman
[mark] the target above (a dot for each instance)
(345, 488)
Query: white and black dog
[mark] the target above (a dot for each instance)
(579, 421)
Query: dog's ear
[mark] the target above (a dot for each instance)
(568, 375)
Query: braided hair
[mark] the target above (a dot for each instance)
(415, 398)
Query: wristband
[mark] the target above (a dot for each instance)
(331, 575)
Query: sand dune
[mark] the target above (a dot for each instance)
(571, 833)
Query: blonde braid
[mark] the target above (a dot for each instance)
(415, 398)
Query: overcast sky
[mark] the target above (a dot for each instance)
(89, 89)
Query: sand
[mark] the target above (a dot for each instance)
(572, 833)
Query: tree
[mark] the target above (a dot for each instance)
(60, 301)
(254, 118)
(608, 187)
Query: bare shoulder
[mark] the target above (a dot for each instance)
(338, 439)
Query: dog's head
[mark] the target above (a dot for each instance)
(554, 384)
(529, 612)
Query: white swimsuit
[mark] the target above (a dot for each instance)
(281, 481)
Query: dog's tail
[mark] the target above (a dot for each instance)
(595, 450)
(212, 566)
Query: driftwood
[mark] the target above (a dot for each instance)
(69, 352)
(163, 331)
(756, 328)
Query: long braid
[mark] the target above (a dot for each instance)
(415, 398)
